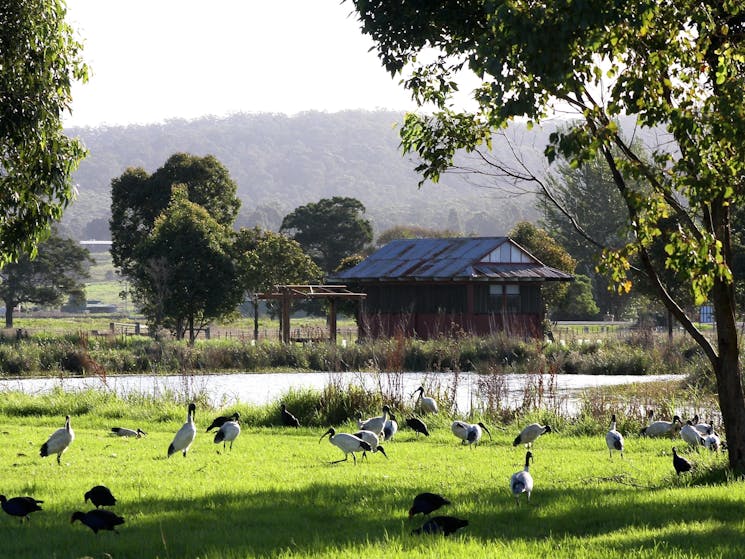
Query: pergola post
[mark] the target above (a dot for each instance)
(286, 293)
(332, 320)
(285, 316)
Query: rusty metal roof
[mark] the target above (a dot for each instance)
(452, 259)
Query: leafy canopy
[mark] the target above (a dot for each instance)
(186, 275)
(39, 61)
(58, 270)
(673, 63)
(138, 198)
(329, 230)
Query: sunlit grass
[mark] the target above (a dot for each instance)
(276, 495)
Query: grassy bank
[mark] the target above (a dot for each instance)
(79, 352)
(276, 495)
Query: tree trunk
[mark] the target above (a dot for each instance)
(728, 376)
(9, 314)
(191, 330)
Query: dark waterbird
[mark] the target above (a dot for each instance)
(288, 420)
(445, 525)
(680, 464)
(98, 519)
(124, 432)
(418, 426)
(222, 420)
(426, 503)
(20, 506)
(100, 496)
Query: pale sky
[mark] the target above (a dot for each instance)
(152, 60)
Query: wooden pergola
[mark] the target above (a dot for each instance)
(285, 294)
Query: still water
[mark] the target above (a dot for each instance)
(263, 388)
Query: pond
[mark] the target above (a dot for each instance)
(263, 388)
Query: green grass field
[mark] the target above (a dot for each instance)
(276, 495)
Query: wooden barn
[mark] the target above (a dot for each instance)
(433, 287)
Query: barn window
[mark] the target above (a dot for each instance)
(511, 298)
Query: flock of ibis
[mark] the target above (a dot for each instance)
(371, 432)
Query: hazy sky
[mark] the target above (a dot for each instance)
(152, 60)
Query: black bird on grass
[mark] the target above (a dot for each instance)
(124, 432)
(680, 463)
(289, 420)
(418, 426)
(100, 496)
(445, 525)
(222, 420)
(20, 506)
(426, 503)
(98, 519)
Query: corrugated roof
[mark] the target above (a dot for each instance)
(460, 258)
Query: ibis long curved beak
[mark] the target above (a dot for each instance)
(382, 451)
(487, 431)
(326, 433)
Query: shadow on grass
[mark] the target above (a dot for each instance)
(265, 523)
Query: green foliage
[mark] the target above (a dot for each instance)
(588, 199)
(540, 244)
(137, 199)
(413, 232)
(329, 230)
(268, 259)
(39, 61)
(186, 276)
(578, 303)
(58, 271)
(678, 65)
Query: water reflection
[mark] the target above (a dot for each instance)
(263, 388)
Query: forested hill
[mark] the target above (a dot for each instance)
(281, 162)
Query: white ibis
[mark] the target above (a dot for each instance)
(691, 435)
(713, 442)
(20, 506)
(522, 482)
(613, 438)
(227, 433)
(391, 428)
(444, 525)
(426, 403)
(124, 432)
(703, 428)
(425, 503)
(59, 441)
(100, 496)
(469, 432)
(220, 421)
(348, 444)
(375, 424)
(288, 420)
(680, 463)
(530, 433)
(185, 436)
(661, 428)
(98, 519)
(373, 440)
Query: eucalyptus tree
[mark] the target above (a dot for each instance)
(138, 199)
(673, 64)
(39, 61)
(58, 270)
(266, 259)
(187, 275)
(329, 230)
